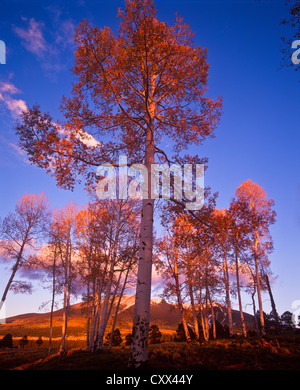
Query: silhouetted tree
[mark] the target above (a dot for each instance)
(154, 334)
(117, 338)
(6, 341)
(180, 334)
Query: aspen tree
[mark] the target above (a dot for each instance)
(256, 212)
(20, 230)
(136, 89)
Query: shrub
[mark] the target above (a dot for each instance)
(117, 338)
(7, 341)
(154, 334)
(128, 339)
(23, 341)
(180, 335)
(39, 341)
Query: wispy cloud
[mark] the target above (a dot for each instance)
(50, 52)
(65, 33)
(32, 36)
(15, 106)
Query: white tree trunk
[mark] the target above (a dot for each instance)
(228, 303)
(105, 309)
(261, 313)
(141, 317)
(239, 293)
(65, 321)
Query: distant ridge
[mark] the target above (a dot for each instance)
(163, 314)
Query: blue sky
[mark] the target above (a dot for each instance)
(258, 136)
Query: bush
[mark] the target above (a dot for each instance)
(222, 331)
(23, 341)
(154, 334)
(117, 338)
(128, 339)
(39, 341)
(180, 335)
(7, 341)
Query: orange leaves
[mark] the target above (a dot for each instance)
(254, 204)
(150, 75)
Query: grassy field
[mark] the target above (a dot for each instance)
(281, 353)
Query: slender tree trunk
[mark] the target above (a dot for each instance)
(212, 317)
(117, 309)
(66, 297)
(88, 325)
(226, 282)
(194, 312)
(96, 322)
(88, 303)
(206, 320)
(141, 318)
(112, 301)
(195, 318)
(97, 310)
(53, 301)
(239, 293)
(207, 299)
(254, 310)
(202, 314)
(14, 270)
(179, 300)
(65, 320)
(275, 314)
(105, 308)
(261, 313)
(93, 323)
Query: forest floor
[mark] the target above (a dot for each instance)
(226, 354)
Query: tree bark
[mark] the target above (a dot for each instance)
(141, 318)
(53, 301)
(67, 294)
(105, 308)
(202, 317)
(65, 321)
(213, 318)
(117, 309)
(179, 300)
(275, 314)
(226, 282)
(261, 313)
(15, 268)
(254, 310)
(239, 293)
(191, 294)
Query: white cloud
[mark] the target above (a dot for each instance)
(15, 106)
(87, 139)
(51, 54)
(32, 37)
(82, 135)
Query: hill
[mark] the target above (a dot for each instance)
(163, 314)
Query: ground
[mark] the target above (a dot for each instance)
(280, 353)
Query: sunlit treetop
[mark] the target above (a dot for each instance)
(140, 86)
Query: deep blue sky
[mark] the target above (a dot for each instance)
(258, 137)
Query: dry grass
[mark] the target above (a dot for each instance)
(252, 354)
